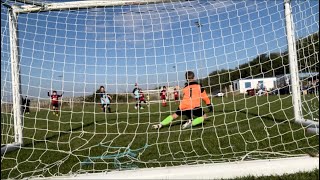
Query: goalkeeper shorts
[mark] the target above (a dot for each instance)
(198, 112)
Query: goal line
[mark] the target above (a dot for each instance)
(211, 171)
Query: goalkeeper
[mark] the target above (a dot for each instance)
(190, 104)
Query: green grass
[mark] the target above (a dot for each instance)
(57, 145)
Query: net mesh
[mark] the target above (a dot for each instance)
(237, 50)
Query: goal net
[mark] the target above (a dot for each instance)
(238, 51)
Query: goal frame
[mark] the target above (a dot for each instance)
(225, 170)
(311, 126)
(16, 84)
(271, 165)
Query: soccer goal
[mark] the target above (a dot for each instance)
(76, 65)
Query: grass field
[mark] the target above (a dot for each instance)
(262, 126)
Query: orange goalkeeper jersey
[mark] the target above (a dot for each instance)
(193, 93)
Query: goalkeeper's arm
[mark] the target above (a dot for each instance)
(206, 99)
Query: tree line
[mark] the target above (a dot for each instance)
(264, 65)
(267, 65)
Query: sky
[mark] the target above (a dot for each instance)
(153, 45)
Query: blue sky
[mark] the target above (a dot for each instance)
(77, 51)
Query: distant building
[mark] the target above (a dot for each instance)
(242, 85)
(285, 79)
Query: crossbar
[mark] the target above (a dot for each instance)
(84, 5)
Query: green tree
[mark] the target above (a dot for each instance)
(268, 65)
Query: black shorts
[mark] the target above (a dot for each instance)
(198, 112)
(56, 105)
(102, 105)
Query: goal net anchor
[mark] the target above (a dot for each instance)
(10, 147)
(310, 125)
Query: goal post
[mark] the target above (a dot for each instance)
(295, 86)
(294, 73)
(16, 85)
(256, 60)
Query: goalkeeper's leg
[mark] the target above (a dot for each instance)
(168, 119)
(201, 116)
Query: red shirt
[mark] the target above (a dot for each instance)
(141, 95)
(55, 98)
(176, 94)
(163, 93)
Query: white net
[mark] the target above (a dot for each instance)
(237, 50)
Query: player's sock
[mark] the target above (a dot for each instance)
(197, 121)
(109, 109)
(167, 120)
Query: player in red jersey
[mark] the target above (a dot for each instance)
(55, 101)
(163, 96)
(141, 98)
(176, 95)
